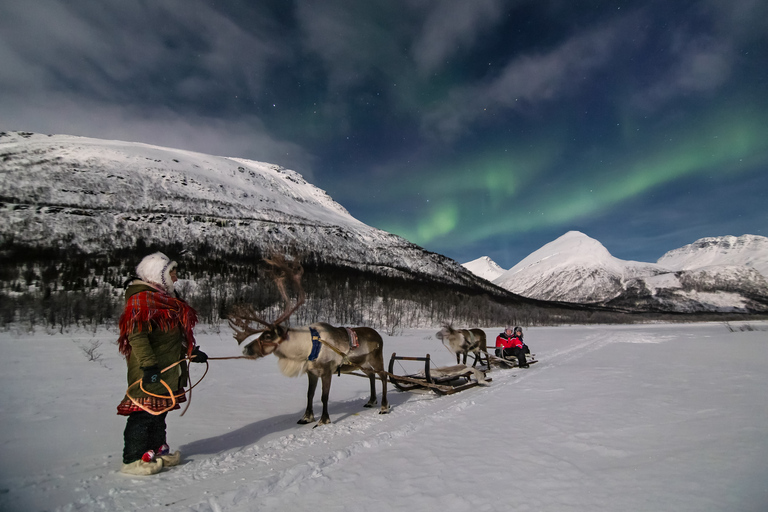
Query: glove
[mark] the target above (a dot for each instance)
(151, 375)
(198, 356)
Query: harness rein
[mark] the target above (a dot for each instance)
(260, 345)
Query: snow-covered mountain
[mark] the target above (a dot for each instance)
(746, 250)
(102, 197)
(484, 267)
(696, 278)
(573, 268)
(66, 191)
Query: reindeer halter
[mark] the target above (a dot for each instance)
(260, 344)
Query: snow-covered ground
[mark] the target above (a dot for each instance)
(635, 418)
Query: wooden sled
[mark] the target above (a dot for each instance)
(443, 381)
(503, 362)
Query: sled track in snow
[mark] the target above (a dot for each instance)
(258, 471)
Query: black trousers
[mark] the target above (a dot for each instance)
(143, 432)
(517, 352)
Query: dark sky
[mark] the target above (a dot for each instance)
(471, 128)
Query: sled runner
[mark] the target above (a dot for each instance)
(443, 381)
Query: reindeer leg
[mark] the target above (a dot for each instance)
(372, 377)
(309, 414)
(384, 402)
(325, 418)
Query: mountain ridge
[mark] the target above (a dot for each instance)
(97, 202)
(128, 191)
(698, 277)
(747, 250)
(79, 212)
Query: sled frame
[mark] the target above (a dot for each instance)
(446, 385)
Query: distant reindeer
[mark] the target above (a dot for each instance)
(297, 353)
(463, 341)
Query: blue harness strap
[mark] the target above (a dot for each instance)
(316, 344)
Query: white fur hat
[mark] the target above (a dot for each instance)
(156, 269)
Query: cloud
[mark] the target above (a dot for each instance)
(742, 20)
(30, 35)
(450, 26)
(703, 50)
(354, 41)
(699, 66)
(246, 137)
(129, 52)
(531, 79)
(161, 73)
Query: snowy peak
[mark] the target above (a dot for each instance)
(570, 249)
(714, 274)
(572, 268)
(484, 267)
(747, 250)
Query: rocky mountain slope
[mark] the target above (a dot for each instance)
(76, 192)
(746, 250)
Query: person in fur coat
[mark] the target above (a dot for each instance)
(155, 332)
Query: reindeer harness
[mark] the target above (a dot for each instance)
(317, 344)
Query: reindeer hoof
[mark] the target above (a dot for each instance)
(370, 404)
(326, 421)
(305, 420)
(384, 411)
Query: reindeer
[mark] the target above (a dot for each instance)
(463, 341)
(294, 346)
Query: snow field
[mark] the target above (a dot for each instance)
(637, 418)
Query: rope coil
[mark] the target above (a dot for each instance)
(170, 394)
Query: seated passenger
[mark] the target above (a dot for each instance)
(510, 344)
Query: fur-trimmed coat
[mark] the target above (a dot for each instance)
(154, 346)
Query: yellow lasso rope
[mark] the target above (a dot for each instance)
(170, 391)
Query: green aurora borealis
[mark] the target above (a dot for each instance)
(471, 128)
(507, 192)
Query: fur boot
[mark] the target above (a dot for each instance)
(141, 468)
(170, 459)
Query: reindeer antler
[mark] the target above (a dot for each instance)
(240, 321)
(245, 312)
(283, 271)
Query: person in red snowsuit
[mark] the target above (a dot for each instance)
(510, 343)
